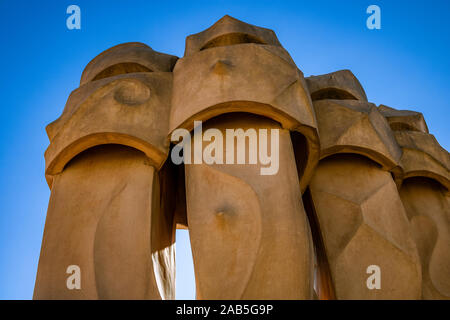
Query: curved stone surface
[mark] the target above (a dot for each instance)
(247, 78)
(103, 216)
(225, 233)
(425, 183)
(363, 223)
(428, 210)
(249, 232)
(341, 85)
(403, 120)
(127, 58)
(208, 83)
(350, 126)
(115, 200)
(423, 157)
(424, 192)
(130, 109)
(229, 31)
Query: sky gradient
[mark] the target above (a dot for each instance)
(404, 65)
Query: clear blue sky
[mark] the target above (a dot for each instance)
(405, 65)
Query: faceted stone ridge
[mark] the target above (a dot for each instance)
(127, 58)
(340, 84)
(352, 126)
(404, 120)
(356, 185)
(131, 109)
(229, 31)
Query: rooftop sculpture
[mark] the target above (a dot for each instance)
(358, 185)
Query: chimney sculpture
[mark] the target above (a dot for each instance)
(353, 187)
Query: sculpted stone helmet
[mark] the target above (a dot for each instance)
(358, 208)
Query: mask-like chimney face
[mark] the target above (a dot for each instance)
(339, 85)
(237, 67)
(103, 166)
(404, 120)
(229, 31)
(124, 98)
(422, 156)
(125, 58)
(352, 126)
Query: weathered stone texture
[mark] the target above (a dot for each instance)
(247, 229)
(357, 185)
(425, 185)
(103, 209)
(363, 223)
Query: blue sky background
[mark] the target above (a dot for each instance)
(404, 65)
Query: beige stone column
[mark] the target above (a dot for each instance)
(360, 215)
(249, 232)
(424, 193)
(250, 237)
(428, 210)
(363, 223)
(107, 216)
(104, 216)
